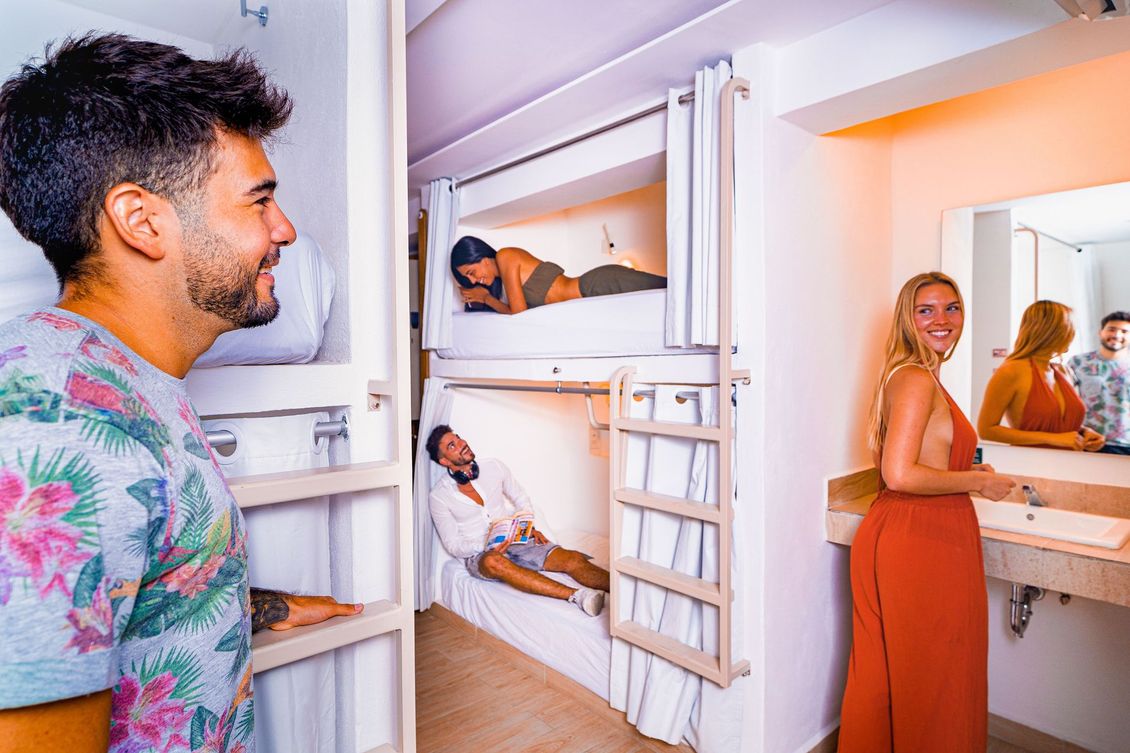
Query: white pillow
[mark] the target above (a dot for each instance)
(304, 285)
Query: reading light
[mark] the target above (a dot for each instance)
(1094, 10)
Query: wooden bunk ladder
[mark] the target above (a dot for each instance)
(720, 668)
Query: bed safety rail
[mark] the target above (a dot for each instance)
(721, 668)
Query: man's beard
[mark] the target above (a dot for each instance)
(218, 284)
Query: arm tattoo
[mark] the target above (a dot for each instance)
(267, 608)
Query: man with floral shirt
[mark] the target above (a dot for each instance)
(1103, 380)
(125, 612)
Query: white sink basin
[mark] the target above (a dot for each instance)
(1064, 525)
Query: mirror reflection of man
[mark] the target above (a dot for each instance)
(476, 493)
(1103, 380)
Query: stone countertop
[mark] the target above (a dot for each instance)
(1088, 571)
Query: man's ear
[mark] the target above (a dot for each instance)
(139, 218)
(444, 462)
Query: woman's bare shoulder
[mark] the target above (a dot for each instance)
(515, 253)
(911, 377)
(1011, 372)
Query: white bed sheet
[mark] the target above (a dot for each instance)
(553, 632)
(607, 325)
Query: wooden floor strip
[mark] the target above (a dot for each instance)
(474, 693)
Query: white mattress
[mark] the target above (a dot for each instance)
(607, 325)
(553, 632)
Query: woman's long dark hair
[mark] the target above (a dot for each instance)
(469, 250)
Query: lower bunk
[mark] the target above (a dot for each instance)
(550, 641)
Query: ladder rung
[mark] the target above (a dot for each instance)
(688, 508)
(675, 651)
(668, 428)
(270, 649)
(696, 588)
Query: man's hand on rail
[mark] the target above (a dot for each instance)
(282, 611)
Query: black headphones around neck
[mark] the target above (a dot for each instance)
(465, 478)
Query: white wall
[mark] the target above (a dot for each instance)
(1078, 686)
(26, 279)
(544, 441)
(988, 326)
(574, 238)
(827, 298)
(1114, 271)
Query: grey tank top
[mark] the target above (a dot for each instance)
(538, 283)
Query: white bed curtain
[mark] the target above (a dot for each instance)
(435, 409)
(288, 549)
(439, 288)
(693, 197)
(661, 699)
(1089, 293)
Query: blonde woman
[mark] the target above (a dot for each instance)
(917, 678)
(1034, 394)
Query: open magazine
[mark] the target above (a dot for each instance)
(518, 529)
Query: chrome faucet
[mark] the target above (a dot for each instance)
(1033, 496)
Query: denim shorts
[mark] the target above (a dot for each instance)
(529, 556)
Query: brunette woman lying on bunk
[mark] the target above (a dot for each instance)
(483, 274)
(1034, 394)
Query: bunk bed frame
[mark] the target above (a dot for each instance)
(701, 369)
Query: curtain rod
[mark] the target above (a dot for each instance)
(683, 99)
(527, 388)
(560, 390)
(1075, 246)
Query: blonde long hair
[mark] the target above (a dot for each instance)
(1045, 327)
(905, 346)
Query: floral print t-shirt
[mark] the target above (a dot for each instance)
(1104, 385)
(122, 551)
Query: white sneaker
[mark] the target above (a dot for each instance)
(589, 600)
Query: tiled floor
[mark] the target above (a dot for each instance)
(464, 704)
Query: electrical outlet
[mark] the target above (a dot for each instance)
(598, 442)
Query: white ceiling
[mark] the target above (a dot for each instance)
(204, 20)
(471, 62)
(1100, 214)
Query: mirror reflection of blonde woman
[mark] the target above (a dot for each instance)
(1033, 393)
(918, 675)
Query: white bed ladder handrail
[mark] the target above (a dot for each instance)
(721, 668)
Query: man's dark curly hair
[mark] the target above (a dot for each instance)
(105, 109)
(1116, 316)
(432, 445)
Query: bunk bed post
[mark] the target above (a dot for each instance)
(725, 377)
(398, 159)
(616, 469)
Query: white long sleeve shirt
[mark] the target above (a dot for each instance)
(461, 522)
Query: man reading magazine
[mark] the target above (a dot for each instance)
(473, 497)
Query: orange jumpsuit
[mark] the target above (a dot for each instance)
(1041, 410)
(918, 674)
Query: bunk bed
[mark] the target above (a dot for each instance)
(623, 342)
(605, 326)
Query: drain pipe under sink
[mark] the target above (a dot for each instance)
(1020, 606)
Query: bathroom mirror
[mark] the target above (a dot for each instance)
(1072, 247)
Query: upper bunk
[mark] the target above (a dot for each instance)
(634, 194)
